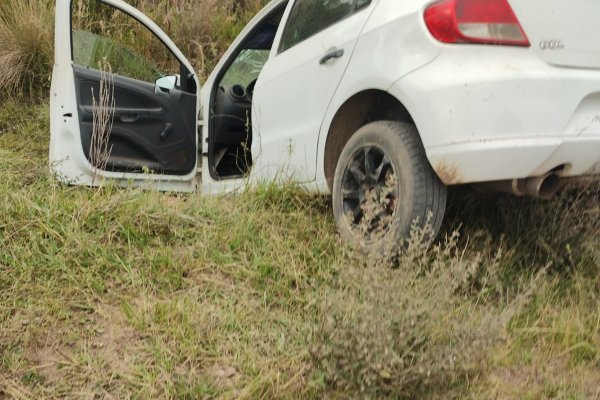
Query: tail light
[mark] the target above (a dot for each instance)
(475, 21)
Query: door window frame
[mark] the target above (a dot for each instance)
(355, 10)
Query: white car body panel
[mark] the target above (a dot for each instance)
(67, 159)
(484, 113)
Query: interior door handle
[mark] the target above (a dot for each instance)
(332, 53)
(129, 118)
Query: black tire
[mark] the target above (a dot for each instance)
(376, 210)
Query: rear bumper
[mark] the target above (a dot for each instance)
(489, 113)
(516, 158)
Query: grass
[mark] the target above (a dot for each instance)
(172, 280)
(122, 293)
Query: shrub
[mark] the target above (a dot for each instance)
(418, 329)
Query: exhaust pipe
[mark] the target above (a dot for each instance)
(543, 187)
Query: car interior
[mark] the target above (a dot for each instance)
(230, 135)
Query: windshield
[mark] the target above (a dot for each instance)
(246, 67)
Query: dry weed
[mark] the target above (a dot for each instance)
(416, 327)
(104, 107)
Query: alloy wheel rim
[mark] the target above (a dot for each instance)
(370, 192)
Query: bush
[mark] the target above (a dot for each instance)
(417, 329)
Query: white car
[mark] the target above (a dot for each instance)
(380, 103)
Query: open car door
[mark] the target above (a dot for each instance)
(124, 102)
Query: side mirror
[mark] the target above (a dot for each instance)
(168, 82)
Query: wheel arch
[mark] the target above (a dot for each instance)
(360, 109)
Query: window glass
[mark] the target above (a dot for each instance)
(104, 35)
(309, 17)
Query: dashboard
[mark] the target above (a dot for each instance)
(232, 115)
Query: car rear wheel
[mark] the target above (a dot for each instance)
(384, 186)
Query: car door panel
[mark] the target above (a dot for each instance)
(150, 130)
(153, 129)
(292, 95)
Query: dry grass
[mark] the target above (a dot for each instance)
(203, 31)
(26, 43)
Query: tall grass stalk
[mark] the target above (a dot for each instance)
(104, 107)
